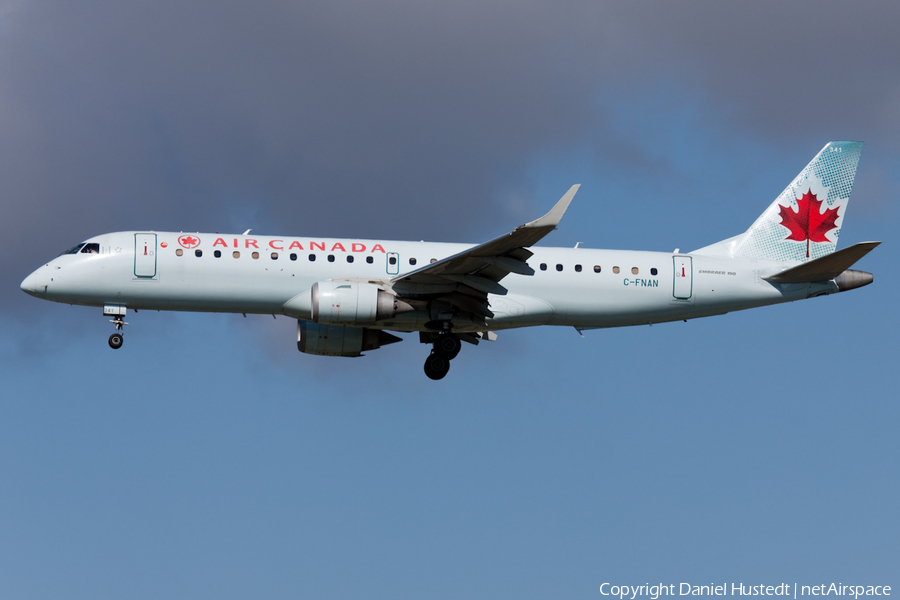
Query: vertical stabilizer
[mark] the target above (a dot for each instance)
(805, 221)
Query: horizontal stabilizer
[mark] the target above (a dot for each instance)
(824, 268)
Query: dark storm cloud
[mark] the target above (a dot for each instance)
(787, 67)
(397, 119)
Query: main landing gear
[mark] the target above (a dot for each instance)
(445, 349)
(117, 339)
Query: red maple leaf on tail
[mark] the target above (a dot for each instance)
(808, 223)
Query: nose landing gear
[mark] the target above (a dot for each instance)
(446, 347)
(117, 313)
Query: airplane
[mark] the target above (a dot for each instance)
(349, 294)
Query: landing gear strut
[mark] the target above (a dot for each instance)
(117, 339)
(446, 347)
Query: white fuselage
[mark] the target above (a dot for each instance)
(577, 287)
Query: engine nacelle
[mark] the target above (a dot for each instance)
(352, 303)
(338, 340)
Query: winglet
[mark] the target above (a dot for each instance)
(552, 218)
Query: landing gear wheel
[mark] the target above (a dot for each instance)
(436, 366)
(115, 341)
(447, 345)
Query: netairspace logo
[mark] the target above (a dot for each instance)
(654, 592)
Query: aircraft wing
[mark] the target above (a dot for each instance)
(465, 279)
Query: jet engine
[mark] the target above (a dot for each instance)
(338, 340)
(353, 303)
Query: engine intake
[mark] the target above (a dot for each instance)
(352, 303)
(338, 340)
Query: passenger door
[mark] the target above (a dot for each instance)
(682, 289)
(145, 255)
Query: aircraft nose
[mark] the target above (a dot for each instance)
(36, 283)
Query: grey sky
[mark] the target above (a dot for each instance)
(398, 119)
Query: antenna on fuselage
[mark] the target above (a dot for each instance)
(246, 232)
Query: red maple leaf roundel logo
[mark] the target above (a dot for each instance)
(189, 241)
(809, 223)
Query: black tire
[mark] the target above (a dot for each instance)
(447, 345)
(115, 341)
(436, 366)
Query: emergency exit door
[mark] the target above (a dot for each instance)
(145, 255)
(683, 286)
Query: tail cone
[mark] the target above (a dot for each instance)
(850, 280)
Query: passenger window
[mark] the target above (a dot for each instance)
(274, 256)
(331, 258)
(596, 268)
(236, 254)
(370, 260)
(412, 261)
(179, 252)
(198, 253)
(293, 256)
(349, 258)
(578, 268)
(255, 255)
(616, 270)
(543, 266)
(91, 249)
(634, 270)
(392, 260)
(312, 258)
(217, 254)
(433, 260)
(559, 267)
(653, 271)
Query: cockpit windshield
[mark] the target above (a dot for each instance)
(73, 250)
(83, 248)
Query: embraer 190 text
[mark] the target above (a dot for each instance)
(347, 294)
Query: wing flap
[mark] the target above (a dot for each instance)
(479, 283)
